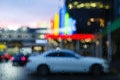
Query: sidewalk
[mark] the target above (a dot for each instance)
(115, 66)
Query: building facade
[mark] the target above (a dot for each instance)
(26, 38)
(91, 16)
(115, 34)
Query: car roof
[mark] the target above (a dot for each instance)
(60, 50)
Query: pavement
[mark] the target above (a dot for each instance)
(115, 66)
(10, 72)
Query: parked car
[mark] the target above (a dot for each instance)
(19, 59)
(34, 54)
(1, 56)
(65, 61)
(5, 56)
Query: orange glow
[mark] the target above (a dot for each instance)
(52, 25)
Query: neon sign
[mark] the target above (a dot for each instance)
(73, 36)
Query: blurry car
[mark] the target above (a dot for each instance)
(1, 56)
(5, 56)
(65, 61)
(34, 54)
(19, 58)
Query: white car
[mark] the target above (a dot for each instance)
(65, 61)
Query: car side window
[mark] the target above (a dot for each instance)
(53, 54)
(66, 54)
(60, 54)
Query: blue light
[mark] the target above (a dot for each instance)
(72, 27)
(62, 19)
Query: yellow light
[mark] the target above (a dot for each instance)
(37, 48)
(101, 5)
(92, 19)
(70, 6)
(107, 7)
(56, 24)
(81, 5)
(41, 36)
(75, 3)
(93, 5)
(102, 22)
(2, 46)
(88, 23)
(97, 43)
(69, 39)
(87, 40)
(78, 6)
(83, 41)
(87, 5)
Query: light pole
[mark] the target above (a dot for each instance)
(109, 43)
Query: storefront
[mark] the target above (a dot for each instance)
(81, 43)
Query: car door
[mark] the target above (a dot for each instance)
(55, 61)
(71, 62)
(64, 62)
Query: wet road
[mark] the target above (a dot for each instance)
(9, 72)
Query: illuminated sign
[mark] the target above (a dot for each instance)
(88, 5)
(73, 36)
(62, 13)
(66, 23)
(56, 24)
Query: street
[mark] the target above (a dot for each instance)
(9, 72)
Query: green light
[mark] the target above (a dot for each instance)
(66, 23)
(114, 26)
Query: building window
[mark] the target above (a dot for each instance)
(10, 36)
(33, 36)
(19, 36)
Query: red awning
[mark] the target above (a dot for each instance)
(73, 36)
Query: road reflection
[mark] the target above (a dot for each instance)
(77, 77)
(9, 72)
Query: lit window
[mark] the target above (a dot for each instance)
(88, 23)
(75, 3)
(107, 7)
(92, 19)
(101, 5)
(82, 5)
(70, 6)
(41, 36)
(93, 4)
(87, 5)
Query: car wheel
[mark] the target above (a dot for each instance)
(96, 69)
(43, 70)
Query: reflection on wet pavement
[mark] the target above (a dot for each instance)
(9, 72)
